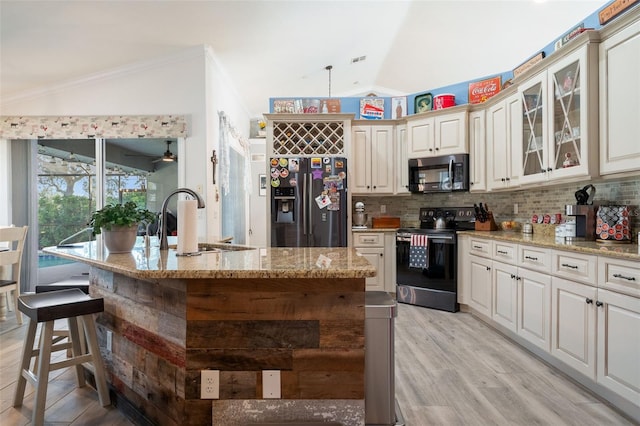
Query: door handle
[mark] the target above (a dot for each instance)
(304, 206)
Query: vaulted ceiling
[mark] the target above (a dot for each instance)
(281, 48)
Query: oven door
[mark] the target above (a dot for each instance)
(434, 282)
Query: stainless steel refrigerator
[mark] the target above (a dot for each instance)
(308, 202)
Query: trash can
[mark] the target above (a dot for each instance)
(380, 311)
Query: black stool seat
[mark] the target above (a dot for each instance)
(6, 282)
(53, 305)
(81, 282)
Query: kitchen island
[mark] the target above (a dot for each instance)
(240, 311)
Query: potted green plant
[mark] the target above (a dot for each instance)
(119, 224)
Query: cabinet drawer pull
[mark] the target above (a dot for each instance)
(589, 301)
(503, 252)
(623, 277)
(531, 258)
(368, 240)
(569, 266)
(477, 247)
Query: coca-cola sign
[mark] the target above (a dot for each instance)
(480, 91)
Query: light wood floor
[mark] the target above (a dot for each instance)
(451, 369)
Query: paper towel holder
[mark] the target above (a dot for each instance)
(164, 245)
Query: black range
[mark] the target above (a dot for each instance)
(426, 258)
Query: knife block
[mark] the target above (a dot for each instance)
(488, 225)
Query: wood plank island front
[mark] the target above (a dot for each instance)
(241, 311)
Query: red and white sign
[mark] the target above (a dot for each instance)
(480, 91)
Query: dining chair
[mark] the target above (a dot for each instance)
(12, 240)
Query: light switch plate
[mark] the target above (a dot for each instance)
(271, 384)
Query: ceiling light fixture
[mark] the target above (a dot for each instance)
(329, 68)
(168, 155)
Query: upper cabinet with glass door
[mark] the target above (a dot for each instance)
(560, 116)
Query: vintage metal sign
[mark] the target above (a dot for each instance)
(480, 91)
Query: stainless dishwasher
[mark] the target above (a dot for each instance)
(380, 405)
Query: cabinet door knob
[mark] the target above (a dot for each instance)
(381, 254)
(430, 149)
(488, 268)
(507, 178)
(589, 301)
(437, 149)
(599, 303)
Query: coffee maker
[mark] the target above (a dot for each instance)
(584, 212)
(585, 217)
(359, 217)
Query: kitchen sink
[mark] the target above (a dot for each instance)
(217, 248)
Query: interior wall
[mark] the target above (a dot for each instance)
(191, 83)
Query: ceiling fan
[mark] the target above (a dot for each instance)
(168, 156)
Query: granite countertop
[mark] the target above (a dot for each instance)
(236, 262)
(622, 251)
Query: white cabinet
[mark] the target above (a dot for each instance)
(573, 330)
(477, 151)
(534, 308)
(619, 326)
(620, 101)
(559, 123)
(437, 133)
(379, 249)
(402, 160)
(619, 344)
(372, 165)
(505, 292)
(574, 266)
(480, 285)
(371, 246)
(504, 135)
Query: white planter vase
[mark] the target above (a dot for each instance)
(120, 239)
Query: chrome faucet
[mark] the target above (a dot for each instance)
(164, 245)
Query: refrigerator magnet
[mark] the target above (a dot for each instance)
(323, 201)
(317, 174)
(275, 182)
(274, 162)
(284, 173)
(327, 168)
(275, 173)
(326, 160)
(316, 163)
(283, 162)
(339, 164)
(293, 182)
(294, 165)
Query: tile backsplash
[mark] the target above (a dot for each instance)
(542, 200)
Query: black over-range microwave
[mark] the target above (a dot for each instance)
(439, 174)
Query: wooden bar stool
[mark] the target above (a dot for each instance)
(80, 282)
(46, 308)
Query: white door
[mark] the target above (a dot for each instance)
(376, 257)
(573, 328)
(505, 291)
(619, 343)
(480, 285)
(534, 308)
(361, 165)
(382, 159)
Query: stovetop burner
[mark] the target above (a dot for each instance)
(457, 218)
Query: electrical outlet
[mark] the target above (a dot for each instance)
(109, 340)
(383, 208)
(209, 384)
(271, 384)
(515, 208)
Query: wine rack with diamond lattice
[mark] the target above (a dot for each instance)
(292, 138)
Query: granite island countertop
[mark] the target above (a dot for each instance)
(622, 251)
(223, 261)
